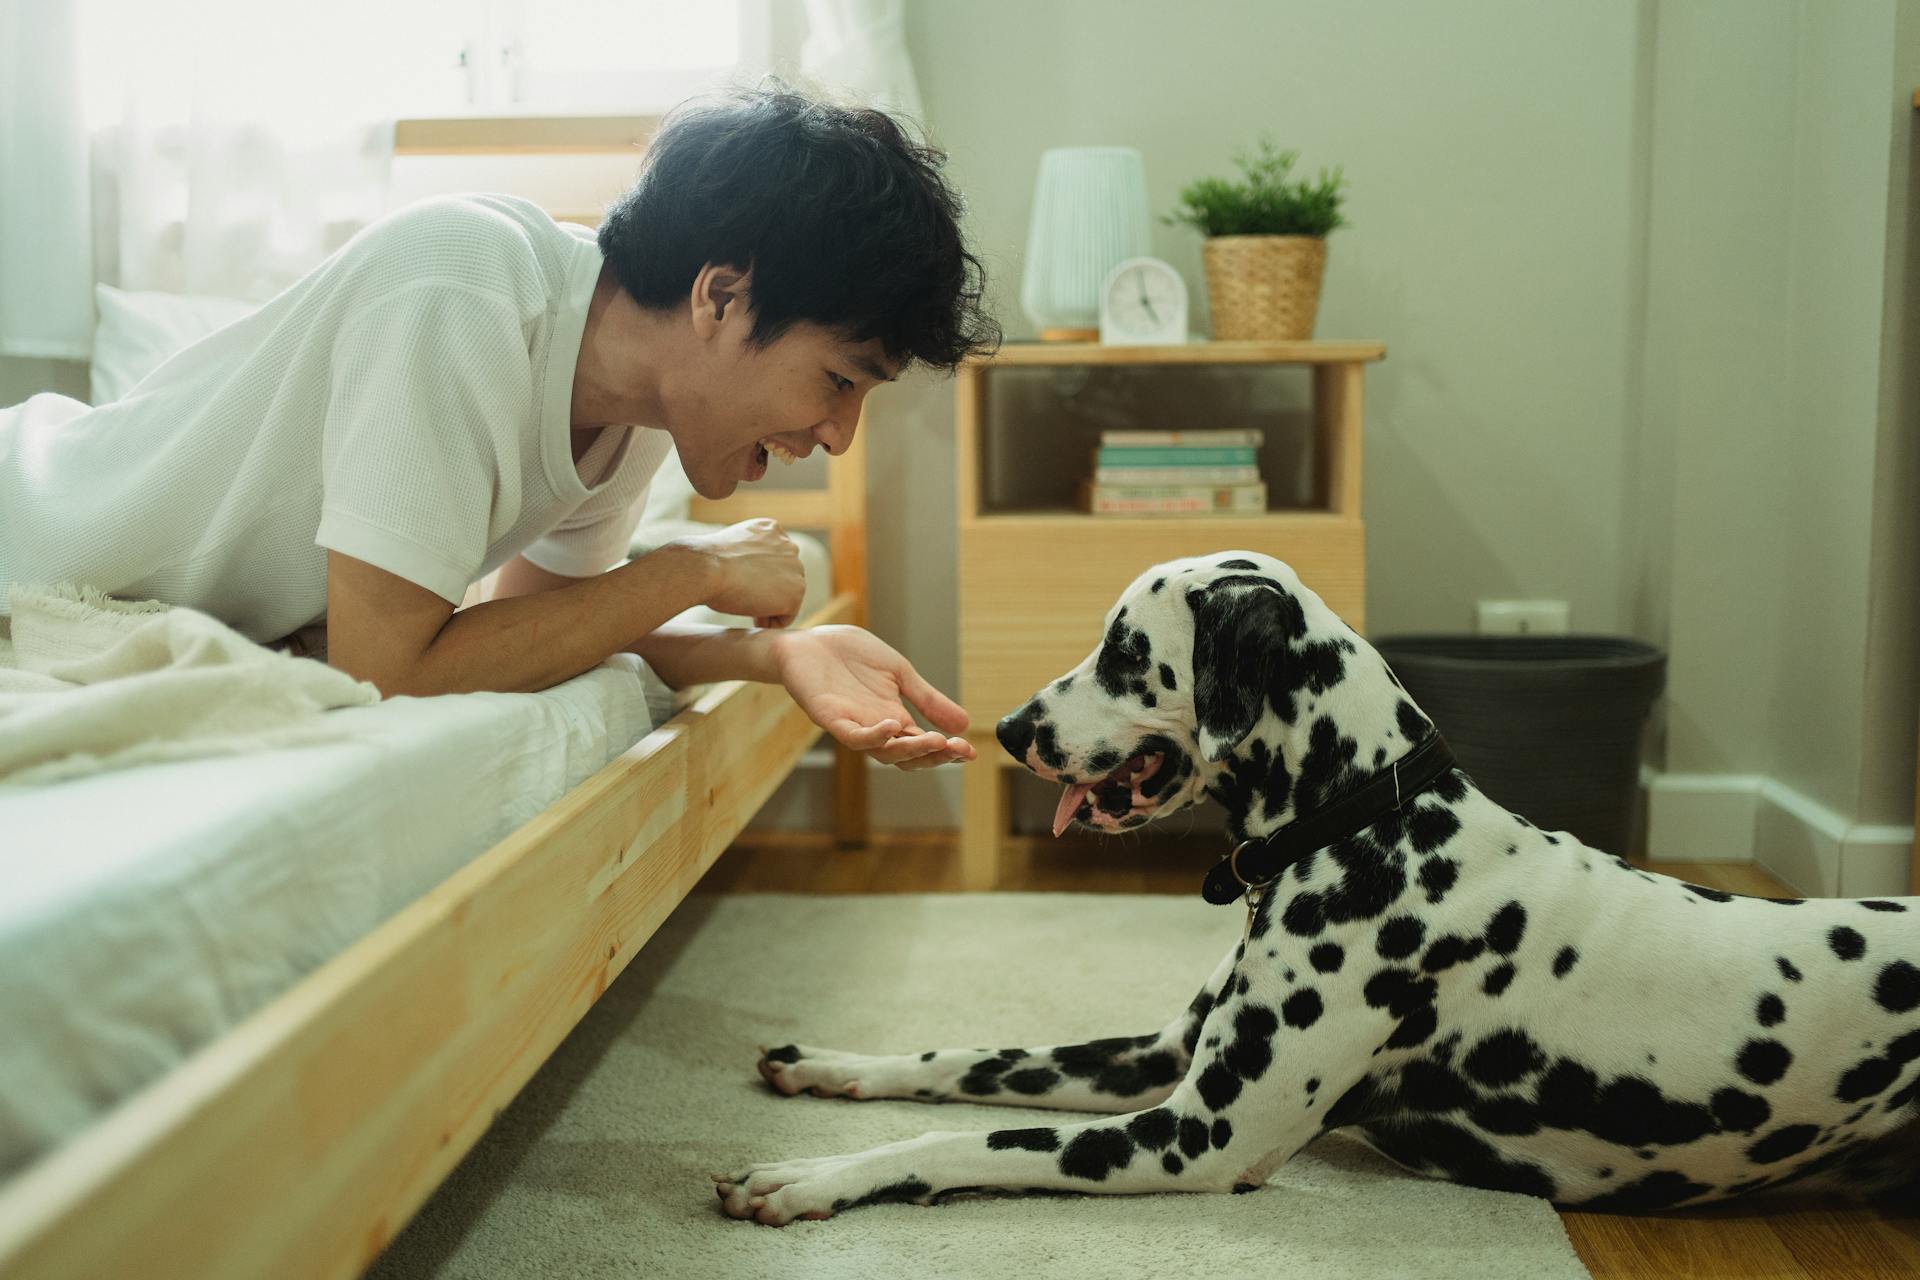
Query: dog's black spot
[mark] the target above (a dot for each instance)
(1032, 1081)
(1660, 1190)
(1095, 1153)
(1787, 970)
(907, 1189)
(1102, 761)
(1866, 1078)
(1770, 1010)
(1711, 895)
(1430, 827)
(1428, 1086)
(1504, 931)
(1251, 1052)
(1563, 962)
(1400, 937)
(1221, 1134)
(1450, 950)
(1503, 1058)
(1193, 1137)
(1238, 564)
(1023, 1140)
(1412, 725)
(1327, 957)
(1302, 1008)
(1047, 748)
(1166, 677)
(1781, 1143)
(1437, 875)
(1897, 989)
(1124, 659)
(1763, 1061)
(1880, 904)
(1497, 979)
(1847, 943)
(1739, 1111)
(1218, 1086)
(1566, 1094)
(1154, 1128)
(1438, 1144)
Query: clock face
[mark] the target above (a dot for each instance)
(1144, 301)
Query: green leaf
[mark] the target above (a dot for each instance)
(1263, 201)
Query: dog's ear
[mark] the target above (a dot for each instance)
(1240, 630)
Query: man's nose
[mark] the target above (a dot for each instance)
(837, 438)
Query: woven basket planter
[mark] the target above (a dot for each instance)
(1264, 288)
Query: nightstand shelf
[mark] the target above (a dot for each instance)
(1035, 582)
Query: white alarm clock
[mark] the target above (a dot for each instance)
(1143, 304)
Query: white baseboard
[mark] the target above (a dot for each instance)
(1751, 817)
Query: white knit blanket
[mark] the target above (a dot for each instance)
(89, 683)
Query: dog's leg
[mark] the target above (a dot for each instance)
(1254, 1093)
(1122, 1074)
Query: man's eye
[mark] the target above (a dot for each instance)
(840, 383)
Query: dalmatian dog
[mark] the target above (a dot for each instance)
(1478, 999)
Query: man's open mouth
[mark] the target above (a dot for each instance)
(1116, 796)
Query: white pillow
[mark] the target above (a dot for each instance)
(138, 332)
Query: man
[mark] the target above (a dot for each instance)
(457, 390)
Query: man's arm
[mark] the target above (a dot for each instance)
(404, 639)
(839, 675)
(680, 653)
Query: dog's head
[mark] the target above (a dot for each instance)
(1220, 675)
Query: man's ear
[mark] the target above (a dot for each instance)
(720, 294)
(1239, 645)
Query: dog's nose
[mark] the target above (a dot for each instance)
(1016, 732)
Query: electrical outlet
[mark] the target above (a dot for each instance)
(1521, 617)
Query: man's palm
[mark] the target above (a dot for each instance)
(857, 687)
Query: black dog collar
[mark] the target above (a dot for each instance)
(1255, 863)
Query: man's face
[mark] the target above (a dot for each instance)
(804, 390)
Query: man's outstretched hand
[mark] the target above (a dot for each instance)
(857, 687)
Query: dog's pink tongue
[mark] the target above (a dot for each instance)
(1068, 803)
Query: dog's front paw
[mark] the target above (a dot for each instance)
(776, 1194)
(825, 1073)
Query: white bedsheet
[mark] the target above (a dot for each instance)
(145, 911)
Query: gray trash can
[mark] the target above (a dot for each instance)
(1548, 726)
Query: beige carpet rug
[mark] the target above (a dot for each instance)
(600, 1167)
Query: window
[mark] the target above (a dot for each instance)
(603, 55)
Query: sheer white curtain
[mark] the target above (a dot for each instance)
(860, 46)
(46, 254)
(187, 146)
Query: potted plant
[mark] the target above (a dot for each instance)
(1266, 246)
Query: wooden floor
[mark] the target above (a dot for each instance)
(1803, 1238)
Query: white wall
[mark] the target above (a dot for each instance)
(1776, 362)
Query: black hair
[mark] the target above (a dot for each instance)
(842, 217)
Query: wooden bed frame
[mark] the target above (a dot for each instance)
(301, 1141)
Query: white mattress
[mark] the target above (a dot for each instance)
(145, 911)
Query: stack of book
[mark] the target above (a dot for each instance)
(1168, 473)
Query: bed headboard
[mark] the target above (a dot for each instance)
(840, 509)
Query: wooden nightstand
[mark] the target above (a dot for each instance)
(1037, 576)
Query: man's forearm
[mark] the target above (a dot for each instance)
(531, 642)
(687, 653)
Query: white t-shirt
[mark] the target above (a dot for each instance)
(406, 403)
